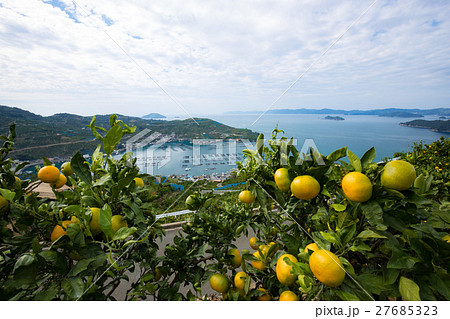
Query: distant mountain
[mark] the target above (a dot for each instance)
(378, 112)
(154, 116)
(63, 134)
(437, 126)
(400, 114)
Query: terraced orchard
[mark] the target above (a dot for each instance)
(335, 227)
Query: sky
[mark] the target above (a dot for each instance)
(194, 58)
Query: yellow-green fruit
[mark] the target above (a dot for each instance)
(246, 197)
(94, 223)
(288, 296)
(158, 274)
(327, 268)
(117, 222)
(66, 169)
(305, 187)
(48, 174)
(219, 283)
(282, 179)
(237, 259)
(357, 187)
(252, 242)
(283, 270)
(139, 181)
(239, 280)
(398, 175)
(3, 203)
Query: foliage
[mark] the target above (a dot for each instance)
(432, 163)
(391, 246)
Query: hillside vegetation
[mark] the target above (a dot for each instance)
(63, 134)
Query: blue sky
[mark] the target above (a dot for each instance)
(207, 57)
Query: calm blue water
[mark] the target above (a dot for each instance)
(358, 133)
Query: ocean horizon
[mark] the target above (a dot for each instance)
(358, 132)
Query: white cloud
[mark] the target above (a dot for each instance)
(213, 55)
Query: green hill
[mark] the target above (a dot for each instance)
(61, 135)
(437, 126)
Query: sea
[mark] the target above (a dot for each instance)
(214, 157)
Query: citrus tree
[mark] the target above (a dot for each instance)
(368, 219)
(85, 243)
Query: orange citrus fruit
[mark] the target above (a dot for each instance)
(327, 267)
(93, 224)
(139, 181)
(237, 259)
(62, 179)
(357, 187)
(117, 222)
(305, 187)
(219, 283)
(311, 247)
(252, 242)
(288, 296)
(398, 175)
(265, 297)
(48, 174)
(246, 197)
(239, 280)
(276, 248)
(258, 264)
(282, 179)
(59, 231)
(283, 270)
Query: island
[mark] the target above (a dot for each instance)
(154, 116)
(436, 126)
(334, 118)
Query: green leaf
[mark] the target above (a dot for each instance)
(260, 143)
(94, 129)
(112, 137)
(331, 237)
(339, 207)
(291, 243)
(80, 266)
(369, 234)
(124, 232)
(337, 154)
(409, 289)
(25, 270)
(104, 221)
(73, 287)
(105, 179)
(368, 157)
(46, 161)
(81, 167)
(7, 194)
(374, 214)
(373, 283)
(354, 161)
(401, 260)
(347, 296)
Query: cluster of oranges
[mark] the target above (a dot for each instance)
(51, 175)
